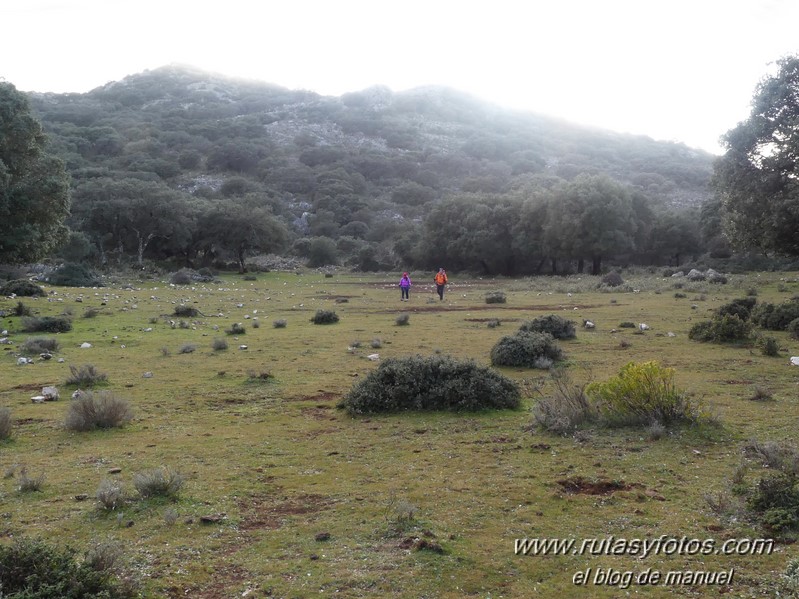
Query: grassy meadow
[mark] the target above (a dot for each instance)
(287, 496)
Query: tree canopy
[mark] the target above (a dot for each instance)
(756, 179)
(34, 186)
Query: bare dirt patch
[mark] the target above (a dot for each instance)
(269, 512)
(319, 413)
(226, 578)
(447, 308)
(578, 485)
(321, 395)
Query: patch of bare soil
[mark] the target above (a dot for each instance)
(30, 386)
(490, 319)
(225, 579)
(578, 485)
(319, 413)
(447, 308)
(321, 395)
(269, 512)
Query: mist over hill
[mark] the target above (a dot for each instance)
(354, 166)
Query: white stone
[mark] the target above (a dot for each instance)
(795, 360)
(85, 345)
(374, 357)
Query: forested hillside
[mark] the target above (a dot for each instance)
(176, 164)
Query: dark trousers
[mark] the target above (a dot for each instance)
(440, 289)
(405, 292)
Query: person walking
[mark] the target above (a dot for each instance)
(405, 287)
(441, 281)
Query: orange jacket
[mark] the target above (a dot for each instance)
(441, 278)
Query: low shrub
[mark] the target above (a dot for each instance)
(774, 455)
(74, 275)
(793, 328)
(28, 483)
(110, 493)
(184, 311)
(22, 310)
(188, 348)
(566, 408)
(219, 344)
(431, 383)
(721, 329)
(46, 324)
(741, 307)
(769, 347)
(761, 394)
(91, 313)
(403, 320)
(324, 317)
(775, 500)
(640, 394)
(493, 323)
(182, 277)
(39, 345)
(33, 569)
(775, 317)
(6, 423)
(85, 376)
(280, 323)
(612, 279)
(627, 325)
(236, 329)
(376, 343)
(555, 325)
(158, 482)
(496, 297)
(21, 288)
(97, 410)
(527, 350)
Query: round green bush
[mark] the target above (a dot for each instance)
(555, 325)
(775, 317)
(324, 317)
(74, 275)
(527, 350)
(421, 383)
(793, 328)
(21, 288)
(721, 329)
(741, 307)
(496, 297)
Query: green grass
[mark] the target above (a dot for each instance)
(283, 465)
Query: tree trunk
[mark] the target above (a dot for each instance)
(580, 266)
(143, 243)
(554, 266)
(240, 260)
(596, 265)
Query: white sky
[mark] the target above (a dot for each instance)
(681, 70)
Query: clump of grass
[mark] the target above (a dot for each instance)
(493, 323)
(236, 329)
(91, 313)
(263, 375)
(110, 494)
(496, 297)
(219, 344)
(376, 343)
(679, 295)
(624, 344)
(98, 410)
(566, 408)
(27, 483)
(778, 456)
(6, 423)
(431, 383)
(170, 516)
(280, 323)
(86, 376)
(105, 556)
(165, 351)
(626, 325)
(256, 324)
(188, 348)
(655, 431)
(403, 319)
(158, 482)
(760, 393)
(39, 345)
(325, 317)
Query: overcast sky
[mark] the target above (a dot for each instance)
(680, 70)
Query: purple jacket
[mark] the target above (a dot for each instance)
(405, 282)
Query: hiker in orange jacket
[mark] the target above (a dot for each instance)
(441, 281)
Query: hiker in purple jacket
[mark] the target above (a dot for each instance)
(405, 287)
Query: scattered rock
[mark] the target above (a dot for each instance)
(78, 393)
(38, 399)
(81, 497)
(85, 345)
(147, 375)
(50, 393)
(24, 361)
(115, 470)
(643, 326)
(373, 357)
